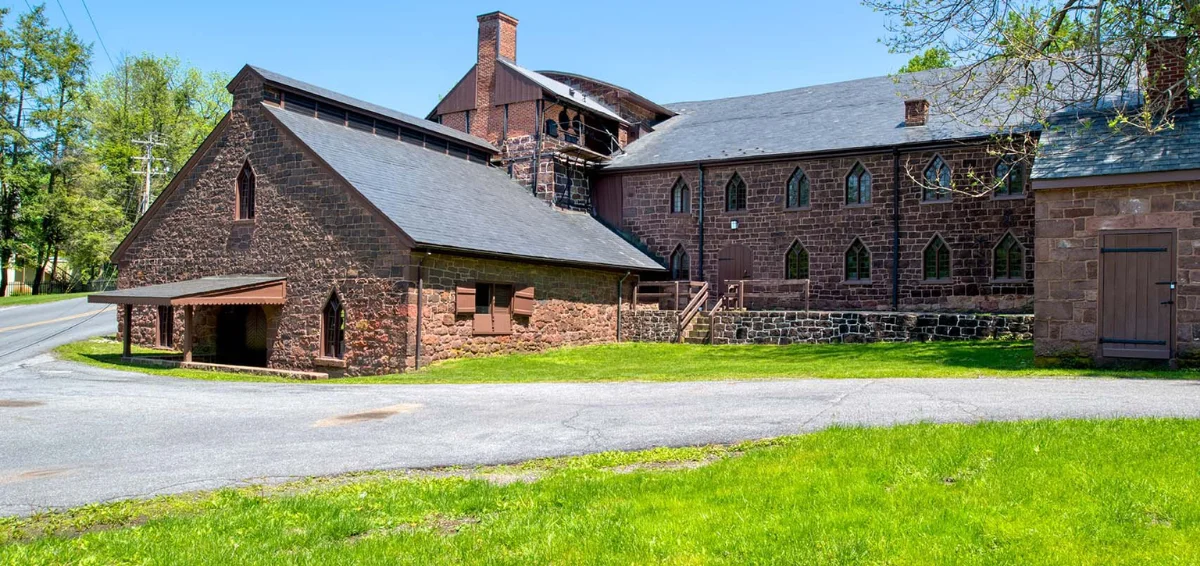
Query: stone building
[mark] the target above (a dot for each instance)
(313, 231)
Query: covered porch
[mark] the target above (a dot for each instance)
(236, 310)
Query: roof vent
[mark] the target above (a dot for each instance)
(916, 112)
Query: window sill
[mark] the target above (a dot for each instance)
(937, 281)
(797, 208)
(243, 221)
(685, 213)
(863, 205)
(937, 201)
(1009, 197)
(1009, 281)
(857, 281)
(491, 334)
(322, 361)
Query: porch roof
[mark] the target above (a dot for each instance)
(222, 290)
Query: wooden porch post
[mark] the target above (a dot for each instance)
(126, 338)
(187, 333)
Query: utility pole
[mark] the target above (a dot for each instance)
(148, 161)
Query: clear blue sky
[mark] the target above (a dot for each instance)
(404, 54)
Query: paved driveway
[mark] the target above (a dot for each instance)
(71, 434)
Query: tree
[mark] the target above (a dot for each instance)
(150, 96)
(932, 58)
(1022, 61)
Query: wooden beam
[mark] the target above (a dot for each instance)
(126, 338)
(187, 332)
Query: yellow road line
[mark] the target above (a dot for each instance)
(40, 323)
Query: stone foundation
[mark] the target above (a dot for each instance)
(793, 327)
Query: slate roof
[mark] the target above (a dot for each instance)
(446, 202)
(563, 91)
(401, 117)
(1085, 146)
(863, 113)
(179, 289)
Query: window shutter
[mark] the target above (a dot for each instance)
(464, 301)
(523, 301)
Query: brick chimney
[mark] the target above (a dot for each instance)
(1166, 73)
(916, 112)
(497, 38)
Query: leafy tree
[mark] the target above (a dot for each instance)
(1020, 61)
(932, 58)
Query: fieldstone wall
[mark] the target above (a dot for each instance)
(650, 326)
(792, 327)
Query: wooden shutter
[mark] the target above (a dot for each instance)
(523, 301)
(502, 303)
(464, 300)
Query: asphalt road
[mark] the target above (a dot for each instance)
(27, 331)
(72, 434)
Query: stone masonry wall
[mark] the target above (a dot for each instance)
(572, 306)
(307, 227)
(970, 225)
(1069, 224)
(791, 327)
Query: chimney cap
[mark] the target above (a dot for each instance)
(497, 15)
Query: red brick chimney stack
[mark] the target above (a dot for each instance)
(497, 38)
(1166, 73)
(916, 112)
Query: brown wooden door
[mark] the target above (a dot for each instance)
(1137, 292)
(608, 196)
(734, 262)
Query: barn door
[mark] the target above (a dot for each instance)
(1137, 292)
(733, 263)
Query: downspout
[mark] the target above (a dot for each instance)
(420, 306)
(537, 145)
(700, 220)
(620, 288)
(895, 228)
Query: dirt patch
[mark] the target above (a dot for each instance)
(15, 403)
(365, 416)
(440, 524)
(670, 465)
(490, 476)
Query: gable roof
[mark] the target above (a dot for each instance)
(443, 202)
(1085, 146)
(562, 90)
(337, 97)
(858, 114)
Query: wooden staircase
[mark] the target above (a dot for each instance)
(699, 331)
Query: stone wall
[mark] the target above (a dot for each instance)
(572, 306)
(970, 225)
(794, 327)
(1069, 224)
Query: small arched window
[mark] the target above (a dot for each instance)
(681, 267)
(1010, 177)
(333, 329)
(1008, 260)
(858, 185)
(937, 260)
(937, 181)
(735, 193)
(797, 189)
(681, 197)
(245, 193)
(796, 262)
(858, 262)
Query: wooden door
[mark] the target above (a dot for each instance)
(1137, 292)
(608, 198)
(734, 262)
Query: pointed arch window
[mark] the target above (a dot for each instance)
(735, 193)
(937, 181)
(937, 260)
(796, 262)
(681, 197)
(1010, 178)
(1008, 260)
(245, 193)
(858, 185)
(681, 266)
(797, 189)
(858, 262)
(333, 328)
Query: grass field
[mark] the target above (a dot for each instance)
(16, 300)
(683, 362)
(1070, 492)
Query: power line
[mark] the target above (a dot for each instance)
(149, 160)
(97, 30)
(64, 13)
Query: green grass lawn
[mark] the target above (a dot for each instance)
(1070, 492)
(682, 362)
(37, 299)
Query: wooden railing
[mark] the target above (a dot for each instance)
(668, 295)
(743, 293)
(698, 302)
